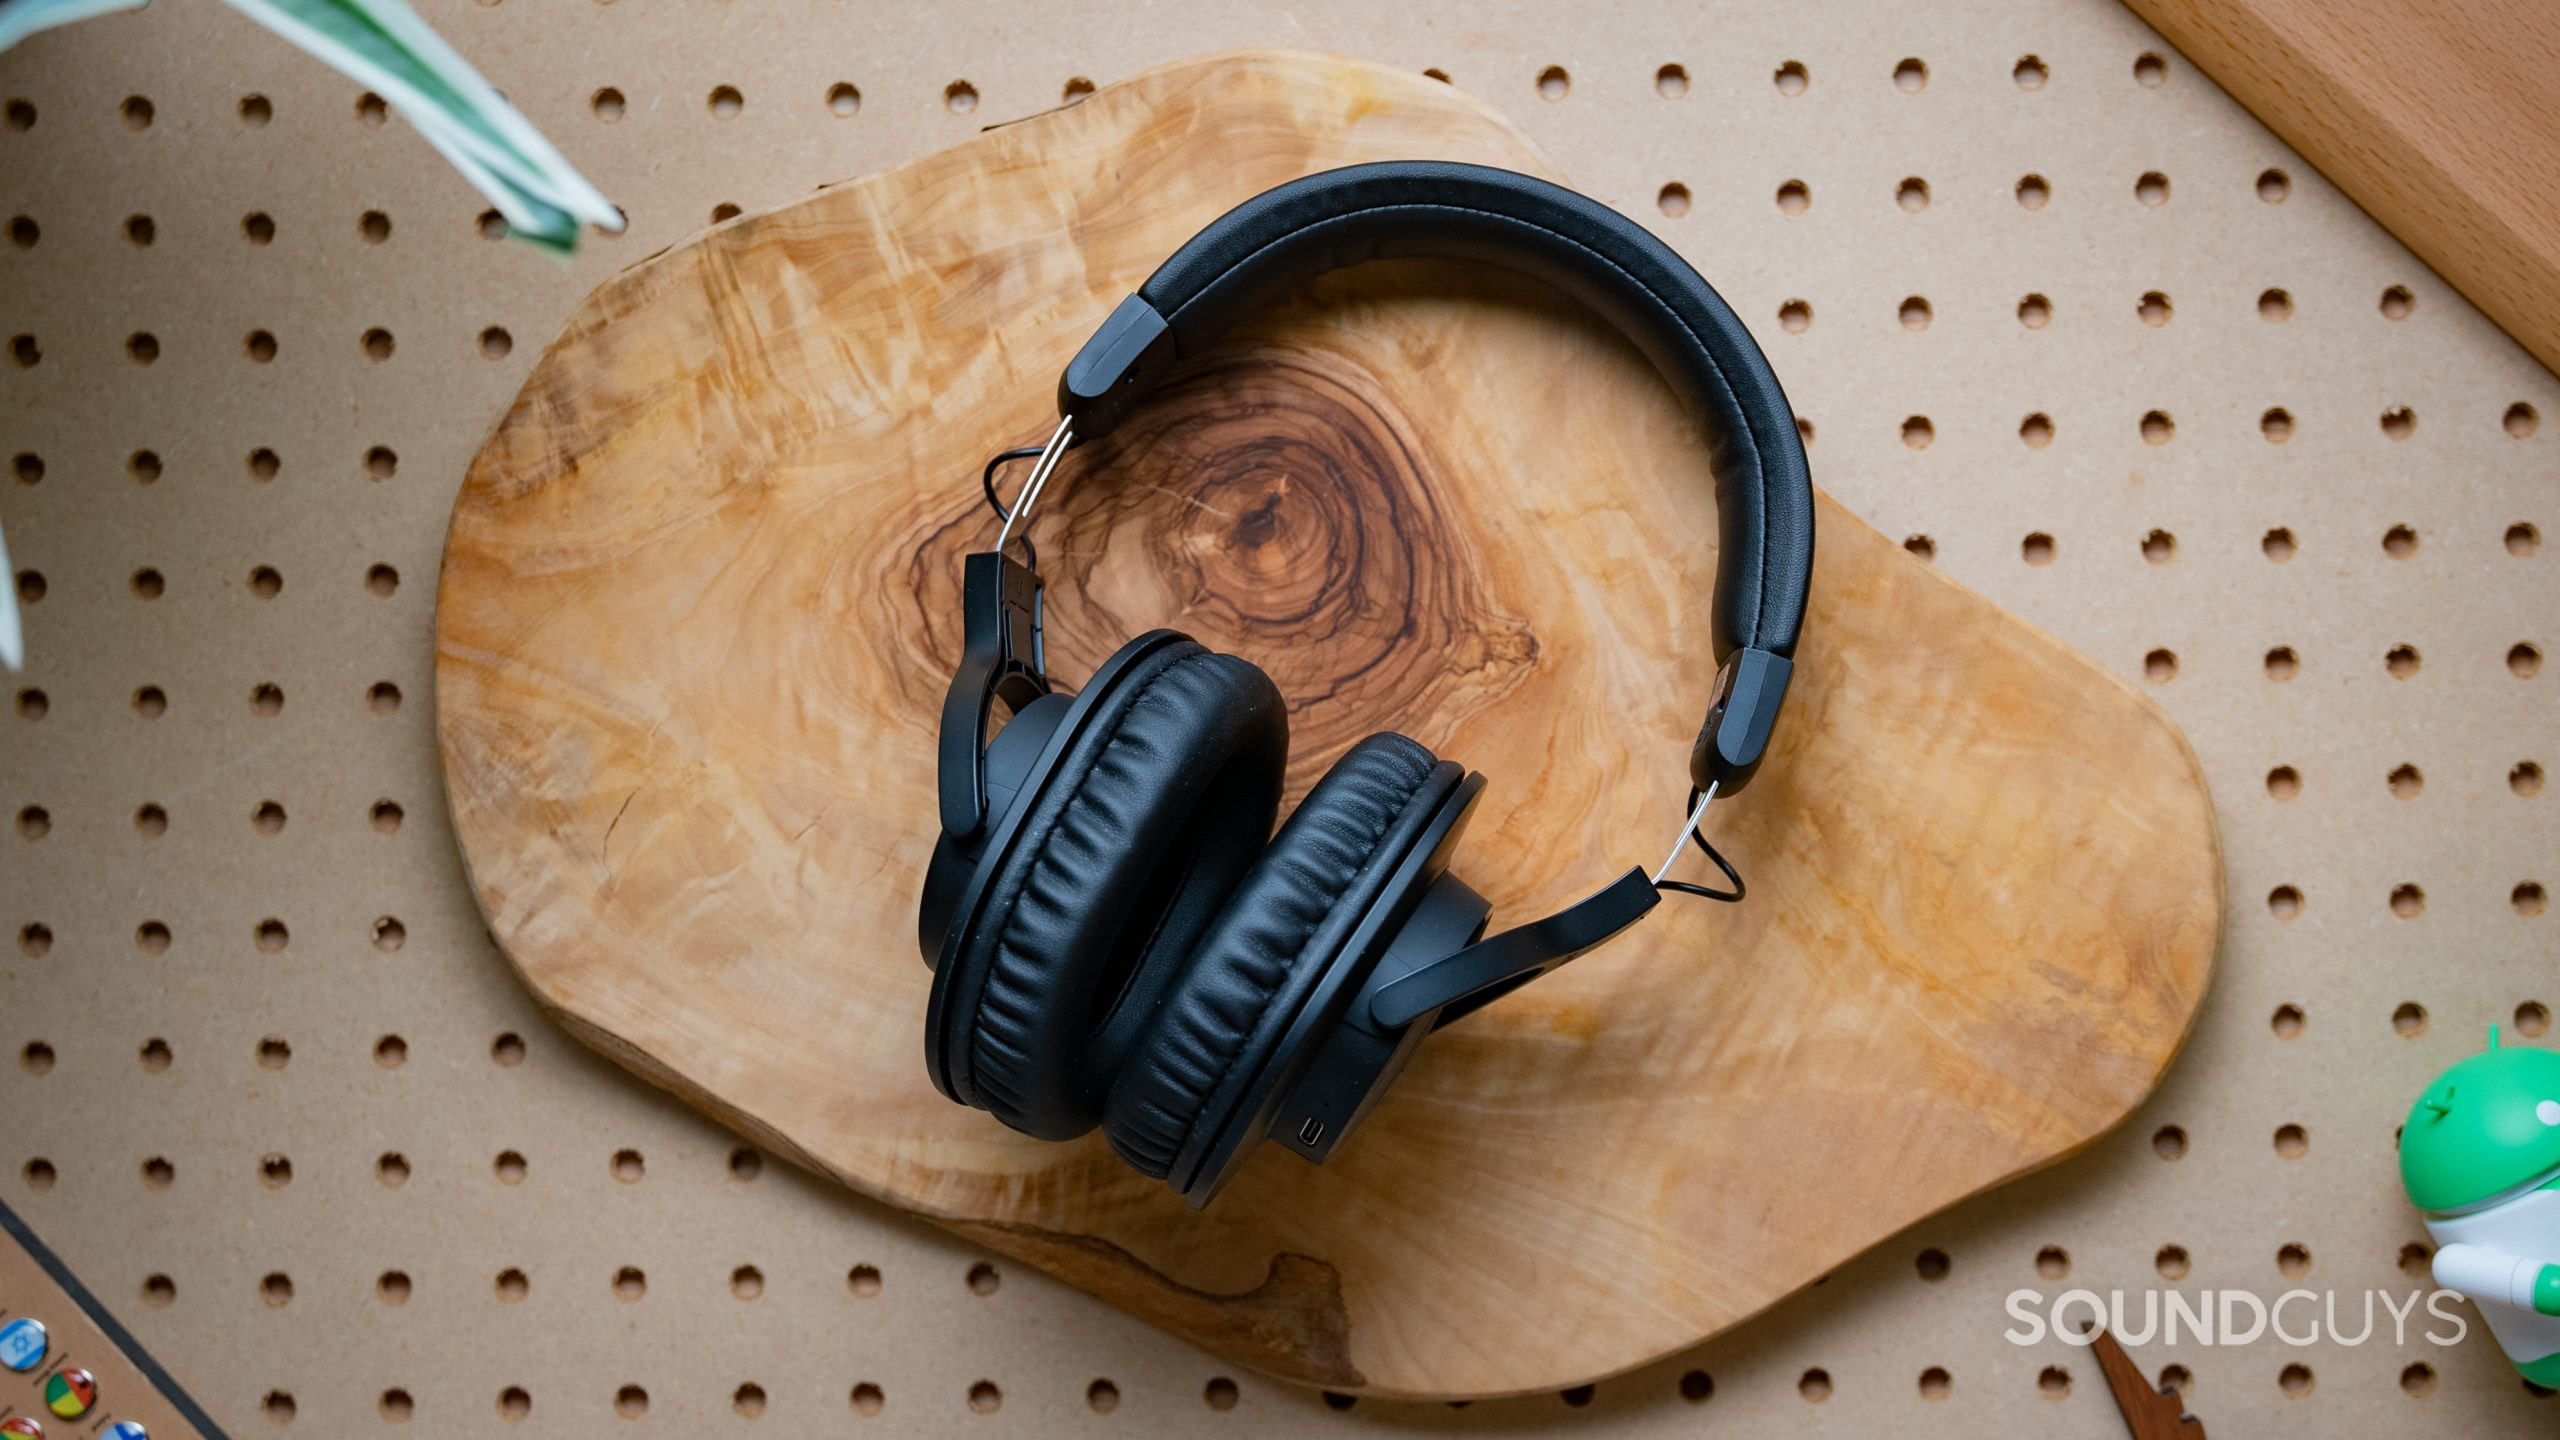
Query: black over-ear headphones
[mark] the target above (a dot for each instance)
(1112, 941)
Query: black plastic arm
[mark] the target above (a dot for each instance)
(1000, 659)
(1492, 968)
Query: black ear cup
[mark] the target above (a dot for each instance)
(1163, 789)
(1217, 1022)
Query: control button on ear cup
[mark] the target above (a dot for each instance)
(1210, 1019)
(1159, 805)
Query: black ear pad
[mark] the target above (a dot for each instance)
(1210, 1017)
(1162, 800)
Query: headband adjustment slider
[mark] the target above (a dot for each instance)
(1116, 369)
(1749, 687)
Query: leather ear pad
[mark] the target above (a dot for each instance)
(1213, 1011)
(1160, 803)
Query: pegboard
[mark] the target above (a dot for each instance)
(2054, 308)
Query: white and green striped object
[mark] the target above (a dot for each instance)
(384, 46)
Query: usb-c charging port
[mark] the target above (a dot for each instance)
(1311, 1132)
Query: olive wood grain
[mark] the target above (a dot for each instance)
(699, 603)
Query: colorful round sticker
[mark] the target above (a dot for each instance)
(22, 1344)
(22, 1427)
(127, 1430)
(70, 1392)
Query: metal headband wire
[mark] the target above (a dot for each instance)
(1041, 470)
(1689, 832)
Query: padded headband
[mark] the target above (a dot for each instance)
(1431, 209)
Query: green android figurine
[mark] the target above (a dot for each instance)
(2481, 1156)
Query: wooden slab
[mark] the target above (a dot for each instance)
(2442, 117)
(699, 604)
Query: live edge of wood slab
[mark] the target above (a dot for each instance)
(699, 604)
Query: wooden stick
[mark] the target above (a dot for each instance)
(2151, 1414)
(2436, 117)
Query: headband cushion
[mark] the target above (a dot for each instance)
(1428, 209)
(1220, 1012)
(1160, 803)
(1437, 209)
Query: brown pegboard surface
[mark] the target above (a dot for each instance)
(204, 1113)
